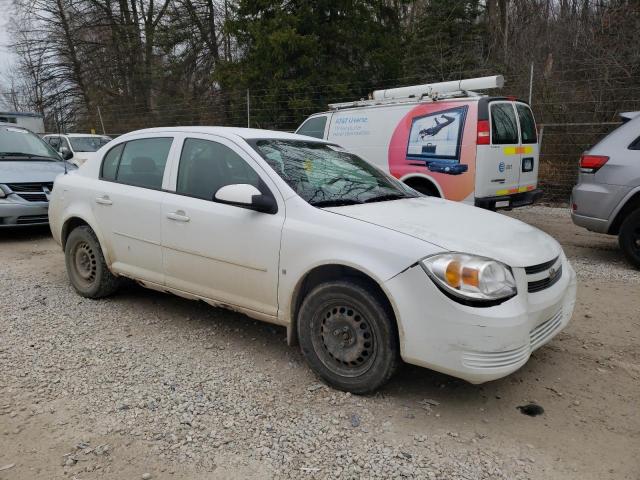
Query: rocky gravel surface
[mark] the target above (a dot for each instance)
(177, 383)
(147, 385)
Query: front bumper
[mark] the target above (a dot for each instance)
(509, 201)
(21, 213)
(477, 344)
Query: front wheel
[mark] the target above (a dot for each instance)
(86, 266)
(629, 238)
(347, 336)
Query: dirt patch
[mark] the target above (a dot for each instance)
(146, 383)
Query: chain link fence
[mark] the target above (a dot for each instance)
(574, 110)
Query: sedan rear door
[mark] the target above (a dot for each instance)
(128, 204)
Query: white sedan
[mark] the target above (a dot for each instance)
(360, 269)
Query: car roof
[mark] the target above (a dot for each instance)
(13, 125)
(629, 115)
(91, 135)
(245, 133)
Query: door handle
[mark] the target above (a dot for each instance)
(104, 200)
(178, 216)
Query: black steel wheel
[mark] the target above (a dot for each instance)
(86, 266)
(347, 336)
(629, 238)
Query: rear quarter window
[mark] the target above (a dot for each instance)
(635, 145)
(110, 163)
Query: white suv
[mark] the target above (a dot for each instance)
(360, 269)
(76, 147)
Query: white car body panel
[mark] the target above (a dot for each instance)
(255, 262)
(448, 224)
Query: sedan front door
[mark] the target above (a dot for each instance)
(222, 252)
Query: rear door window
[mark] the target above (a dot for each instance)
(142, 162)
(527, 124)
(504, 129)
(313, 127)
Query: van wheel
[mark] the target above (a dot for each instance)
(347, 336)
(86, 266)
(423, 186)
(629, 238)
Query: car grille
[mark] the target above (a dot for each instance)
(544, 275)
(516, 356)
(544, 331)
(30, 187)
(32, 192)
(29, 219)
(496, 359)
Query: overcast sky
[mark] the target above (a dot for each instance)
(6, 58)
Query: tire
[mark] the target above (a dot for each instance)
(86, 267)
(629, 238)
(425, 188)
(347, 336)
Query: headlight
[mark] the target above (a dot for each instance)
(3, 194)
(470, 277)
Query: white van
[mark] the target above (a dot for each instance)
(443, 140)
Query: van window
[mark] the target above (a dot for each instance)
(504, 128)
(314, 127)
(527, 124)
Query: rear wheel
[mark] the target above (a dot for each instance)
(86, 267)
(347, 336)
(629, 238)
(423, 186)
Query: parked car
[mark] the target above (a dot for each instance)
(607, 196)
(77, 147)
(28, 167)
(443, 140)
(361, 269)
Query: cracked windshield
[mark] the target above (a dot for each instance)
(325, 175)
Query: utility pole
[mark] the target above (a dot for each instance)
(101, 122)
(248, 110)
(531, 84)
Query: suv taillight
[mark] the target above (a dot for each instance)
(484, 133)
(592, 163)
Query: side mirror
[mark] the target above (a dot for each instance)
(245, 195)
(66, 153)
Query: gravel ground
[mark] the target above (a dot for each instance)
(147, 385)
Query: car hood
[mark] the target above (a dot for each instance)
(29, 171)
(458, 227)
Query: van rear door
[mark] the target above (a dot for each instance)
(498, 164)
(529, 149)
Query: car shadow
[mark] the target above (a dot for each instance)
(261, 340)
(19, 234)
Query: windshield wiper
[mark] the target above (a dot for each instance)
(26, 155)
(336, 202)
(386, 197)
